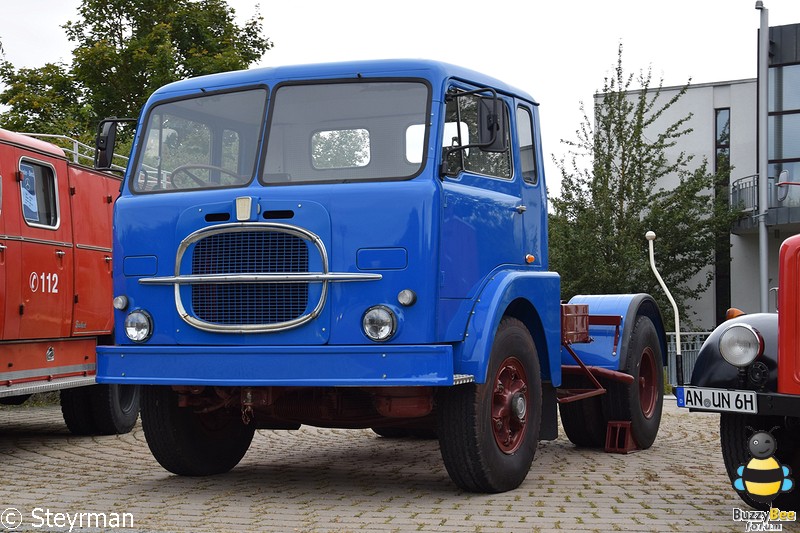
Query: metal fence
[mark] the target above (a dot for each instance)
(690, 347)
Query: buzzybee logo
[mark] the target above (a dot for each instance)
(763, 478)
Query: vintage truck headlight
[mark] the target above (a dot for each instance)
(740, 344)
(379, 323)
(138, 326)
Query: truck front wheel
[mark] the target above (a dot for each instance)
(188, 443)
(488, 432)
(641, 401)
(735, 430)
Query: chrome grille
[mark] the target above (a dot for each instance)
(249, 252)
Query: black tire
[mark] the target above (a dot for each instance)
(392, 432)
(734, 434)
(640, 402)
(76, 408)
(583, 420)
(191, 444)
(115, 408)
(15, 400)
(489, 432)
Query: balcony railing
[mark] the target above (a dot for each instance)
(744, 193)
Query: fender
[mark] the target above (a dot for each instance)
(600, 352)
(532, 297)
(711, 370)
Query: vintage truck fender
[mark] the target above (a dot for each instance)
(533, 298)
(601, 351)
(711, 370)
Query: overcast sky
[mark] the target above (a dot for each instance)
(559, 51)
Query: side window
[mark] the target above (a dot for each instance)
(38, 193)
(461, 126)
(526, 148)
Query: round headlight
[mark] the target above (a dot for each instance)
(379, 323)
(740, 344)
(138, 326)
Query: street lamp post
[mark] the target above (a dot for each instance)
(763, 192)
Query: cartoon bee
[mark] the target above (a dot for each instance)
(763, 477)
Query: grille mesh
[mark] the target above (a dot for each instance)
(251, 252)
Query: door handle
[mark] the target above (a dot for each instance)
(520, 209)
(61, 253)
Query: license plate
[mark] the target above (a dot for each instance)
(737, 401)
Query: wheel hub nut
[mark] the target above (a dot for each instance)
(519, 406)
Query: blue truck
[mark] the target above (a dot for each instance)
(360, 245)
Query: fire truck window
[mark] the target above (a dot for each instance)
(38, 193)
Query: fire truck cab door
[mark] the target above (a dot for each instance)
(6, 182)
(45, 254)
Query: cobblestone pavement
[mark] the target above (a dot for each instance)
(349, 480)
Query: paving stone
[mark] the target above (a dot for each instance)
(324, 480)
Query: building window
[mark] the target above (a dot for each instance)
(722, 140)
(784, 124)
(722, 248)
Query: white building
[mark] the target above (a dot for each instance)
(724, 124)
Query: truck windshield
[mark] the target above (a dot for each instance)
(203, 142)
(346, 131)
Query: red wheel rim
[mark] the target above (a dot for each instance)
(510, 405)
(648, 383)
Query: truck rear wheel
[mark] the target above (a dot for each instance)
(583, 420)
(76, 408)
(115, 408)
(100, 409)
(735, 430)
(489, 432)
(189, 443)
(641, 401)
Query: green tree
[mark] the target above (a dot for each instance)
(125, 49)
(610, 199)
(43, 100)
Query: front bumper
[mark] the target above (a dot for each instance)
(300, 366)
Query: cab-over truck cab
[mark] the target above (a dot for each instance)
(357, 245)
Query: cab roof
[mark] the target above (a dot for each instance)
(434, 71)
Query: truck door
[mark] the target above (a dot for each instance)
(6, 177)
(45, 247)
(529, 167)
(482, 215)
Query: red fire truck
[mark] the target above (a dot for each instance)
(55, 283)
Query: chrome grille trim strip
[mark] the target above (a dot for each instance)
(323, 277)
(311, 277)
